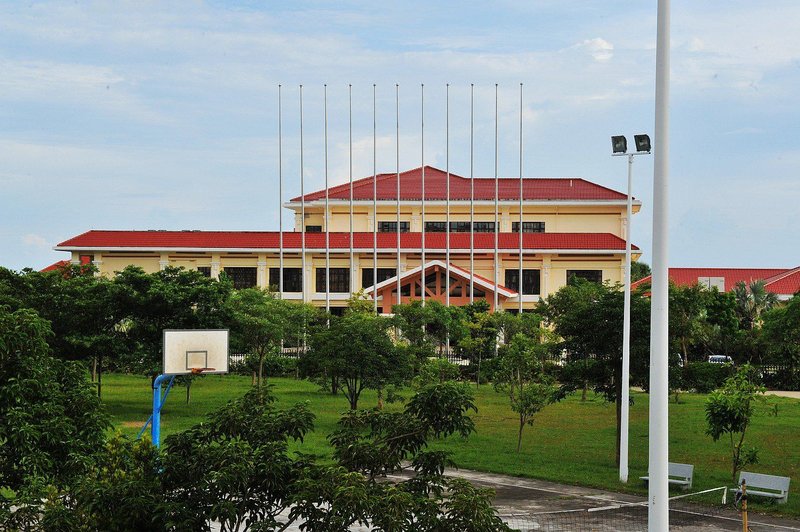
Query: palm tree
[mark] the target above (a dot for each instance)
(752, 301)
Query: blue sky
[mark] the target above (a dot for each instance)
(163, 115)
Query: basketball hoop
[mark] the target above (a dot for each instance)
(198, 371)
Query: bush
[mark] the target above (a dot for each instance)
(704, 377)
(783, 379)
(434, 371)
(489, 368)
(274, 366)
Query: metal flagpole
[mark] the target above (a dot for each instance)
(374, 206)
(496, 204)
(397, 170)
(422, 143)
(350, 109)
(280, 195)
(626, 338)
(327, 229)
(658, 517)
(520, 199)
(471, 193)
(447, 187)
(302, 205)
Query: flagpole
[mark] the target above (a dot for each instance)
(350, 121)
(374, 206)
(520, 200)
(471, 192)
(280, 194)
(302, 205)
(397, 170)
(327, 229)
(422, 142)
(496, 203)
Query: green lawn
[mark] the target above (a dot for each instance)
(570, 442)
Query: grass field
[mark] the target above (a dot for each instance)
(571, 442)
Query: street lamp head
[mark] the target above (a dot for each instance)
(619, 144)
(642, 143)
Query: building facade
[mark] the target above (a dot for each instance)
(443, 237)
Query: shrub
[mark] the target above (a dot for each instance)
(434, 371)
(704, 377)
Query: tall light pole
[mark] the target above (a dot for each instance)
(619, 147)
(658, 443)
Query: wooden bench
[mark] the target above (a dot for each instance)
(757, 482)
(679, 475)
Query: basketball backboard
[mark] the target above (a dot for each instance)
(195, 350)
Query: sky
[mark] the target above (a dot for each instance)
(164, 115)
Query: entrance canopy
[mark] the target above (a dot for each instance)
(435, 286)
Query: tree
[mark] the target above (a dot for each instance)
(259, 322)
(588, 317)
(480, 336)
(781, 333)
(51, 421)
(357, 349)
(686, 313)
(752, 301)
(235, 468)
(173, 298)
(639, 270)
(729, 410)
(521, 376)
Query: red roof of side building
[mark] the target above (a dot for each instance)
(256, 240)
(55, 266)
(541, 189)
(784, 283)
(732, 276)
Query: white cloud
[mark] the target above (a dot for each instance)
(600, 49)
(35, 241)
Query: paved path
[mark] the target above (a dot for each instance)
(793, 395)
(528, 504)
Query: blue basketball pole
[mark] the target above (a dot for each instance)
(158, 403)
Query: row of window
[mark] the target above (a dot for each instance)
(441, 227)
(340, 278)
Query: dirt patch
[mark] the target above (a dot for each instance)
(132, 424)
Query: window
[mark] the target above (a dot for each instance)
(594, 276)
(530, 281)
(435, 227)
(459, 227)
(338, 311)
(313, 229)
(242, 277)
(292, 279)
(340, 280)
(205, 270)
(391, 227)
(528, 227)
(484, 227)
(383, 274)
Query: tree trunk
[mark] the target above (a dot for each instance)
(260, 368)
(100, 378)
(519, 435)
(253, 379)
(584, 391)
(478, 375)
(189, 390)
(94, 369)
(334, 385)
(380, 398)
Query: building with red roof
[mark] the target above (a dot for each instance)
(485, 233)
(782, 282)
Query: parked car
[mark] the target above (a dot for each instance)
(720, 359)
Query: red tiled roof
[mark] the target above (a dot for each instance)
(775, 279)
(787, 282)
(55, 266)
(542, 189)
(167, 240)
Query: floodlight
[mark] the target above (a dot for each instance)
(619, 144)
(642, 143)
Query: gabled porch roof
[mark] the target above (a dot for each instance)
(468, 276)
